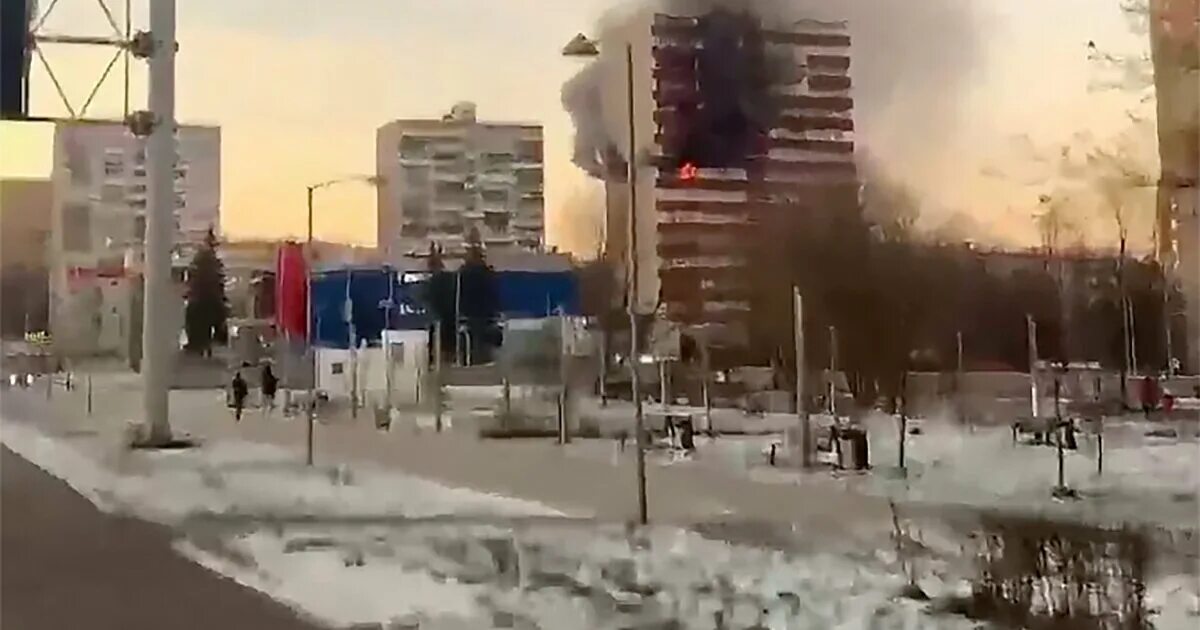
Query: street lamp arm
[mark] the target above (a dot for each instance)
(369, 179)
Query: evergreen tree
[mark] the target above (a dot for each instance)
(207, 311)
(439, 300)
(478, 302)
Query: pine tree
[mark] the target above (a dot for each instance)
(207, 311)
(439, 300)
(479, 305)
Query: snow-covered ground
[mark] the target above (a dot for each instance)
(1145, 479)
(571, 576)
(561, 572)
(232, 477)
(450, 573)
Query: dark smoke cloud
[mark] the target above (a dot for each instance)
(581, 97)
(912, 61)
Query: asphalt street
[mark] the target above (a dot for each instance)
(65, 564)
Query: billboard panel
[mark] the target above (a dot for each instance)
(15, 16)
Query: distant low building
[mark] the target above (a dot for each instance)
(24, 278)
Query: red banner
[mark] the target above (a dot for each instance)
(291, 291)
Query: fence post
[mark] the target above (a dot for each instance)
(437, 375)
(89, 394)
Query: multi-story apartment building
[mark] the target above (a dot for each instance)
(441, 179)
(98, 223)
(744, 136)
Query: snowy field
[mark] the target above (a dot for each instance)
(286, 534)
(255, 513)
(572, 576)
(1145, 479)
(250, 479)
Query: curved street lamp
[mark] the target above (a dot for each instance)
(372, 180)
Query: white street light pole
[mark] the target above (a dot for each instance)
(581, 46)
(308, 308)
(157, 342)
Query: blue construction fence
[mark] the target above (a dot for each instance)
(369, 300)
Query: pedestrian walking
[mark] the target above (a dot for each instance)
(270, 385)
(1150, 395)
(239, 391)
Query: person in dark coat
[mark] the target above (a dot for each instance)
(1150, 395)
(270, 385)
(239, 391)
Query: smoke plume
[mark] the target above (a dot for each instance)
(581, 98)
(910, 61)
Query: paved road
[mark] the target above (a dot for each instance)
(65, 564)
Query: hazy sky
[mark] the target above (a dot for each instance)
(299, 87)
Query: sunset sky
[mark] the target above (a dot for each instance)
(299, 87)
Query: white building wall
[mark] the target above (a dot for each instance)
(97, 224)
(404, 352)
(444, 177)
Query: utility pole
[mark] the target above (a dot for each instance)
(801, 410)
(634, 354)
(309, 335)
(353, 347)
(1168, 336)
(1132, 328)
(959, 339)
(1031, 326)
(1058, 430)
(603, 367)
(663, 388)
(903, 411)
(958, 376)
(437, 375)
(833, 367)
(157, 342)
(706, 364)
(1124, 323)
(564, 431)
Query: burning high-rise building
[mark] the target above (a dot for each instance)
(744, 128)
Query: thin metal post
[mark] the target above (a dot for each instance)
(663, 394)
(833, 367)
(1132, 327)
(801, 409)
(1031, 326)
(157, 327)
(308, 335)
(959, 339)
(564, 432)
(1058, 431)
(603, 368)
(903, 399)
(958, 377)
(89, 394)
(634, 354)
(127, 35)
(437, 375)
(704, 386)
(1124, 325)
